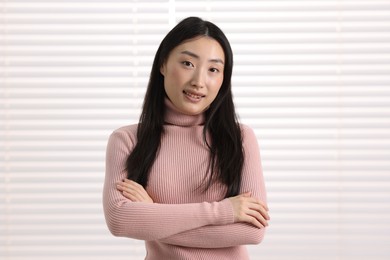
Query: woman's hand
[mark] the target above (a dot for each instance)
(133, 191)
(250, 210)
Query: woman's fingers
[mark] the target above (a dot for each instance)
(263, 204)
(258, 217)
(250, 210)
(131, 195)
(128, 192)
(260, 207)
(134, 191)
(252, 220)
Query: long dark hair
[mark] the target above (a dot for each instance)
(226, 152)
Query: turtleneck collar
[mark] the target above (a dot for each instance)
(175, 117)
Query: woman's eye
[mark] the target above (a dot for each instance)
(187, 64)
(214, 70)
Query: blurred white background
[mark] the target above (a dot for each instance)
(312, 77)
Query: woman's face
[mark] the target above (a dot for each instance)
(193, 74)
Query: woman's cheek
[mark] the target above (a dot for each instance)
(217, 83)
(178, 74)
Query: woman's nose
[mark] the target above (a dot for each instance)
(198, 79)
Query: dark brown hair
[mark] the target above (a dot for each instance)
(226, 153)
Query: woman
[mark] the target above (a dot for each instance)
(187, 179)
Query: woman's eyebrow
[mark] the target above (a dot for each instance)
(197, 57)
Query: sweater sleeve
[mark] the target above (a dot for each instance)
(150, 221)
(238, 233)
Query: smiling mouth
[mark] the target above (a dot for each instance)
(192, 95)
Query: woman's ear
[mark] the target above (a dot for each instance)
(162, 69)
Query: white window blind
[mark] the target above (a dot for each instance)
(311, 77)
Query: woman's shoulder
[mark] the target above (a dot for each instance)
(127, 129)
(127, 134)
(248, 134)
(250, 140)
(246, 129)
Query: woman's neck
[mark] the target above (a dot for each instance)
(174, 117)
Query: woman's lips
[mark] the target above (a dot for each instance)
(192, 95)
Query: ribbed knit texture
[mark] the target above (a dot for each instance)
(183, 222)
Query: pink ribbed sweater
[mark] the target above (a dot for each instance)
(183, 222)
